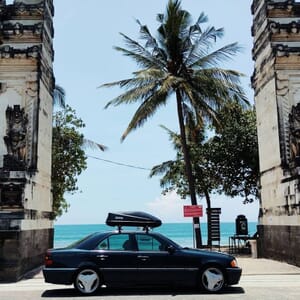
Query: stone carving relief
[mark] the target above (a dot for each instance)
(20, 29)
(294, 122)
(11, 194)
(10, 52)
(15, 139)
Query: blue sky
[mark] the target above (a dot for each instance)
(85, 33)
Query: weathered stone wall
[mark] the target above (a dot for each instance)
(282, 243)
(26, 100)
(22, 251)
(276, 81)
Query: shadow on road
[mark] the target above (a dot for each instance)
(65, 293)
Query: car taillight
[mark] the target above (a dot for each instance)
(234, 263)
(48, 259)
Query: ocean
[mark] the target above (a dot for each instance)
(181, 233)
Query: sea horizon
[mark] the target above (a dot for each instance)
(180, 232)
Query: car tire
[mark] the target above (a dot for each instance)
(87, 281)
(212, 279)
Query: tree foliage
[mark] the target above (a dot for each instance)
(68, 157)
(226, 163)
(173, 171)
(234, 152)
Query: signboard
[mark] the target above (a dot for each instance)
(192, 211)
(213, 215)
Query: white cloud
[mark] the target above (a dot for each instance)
(169, 208)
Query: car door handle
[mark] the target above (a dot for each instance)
(102, 257)
(143, 257)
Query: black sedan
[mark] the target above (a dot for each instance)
(132, 258)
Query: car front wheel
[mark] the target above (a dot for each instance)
(87, 281)
(212, 279)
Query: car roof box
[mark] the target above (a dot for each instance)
(137, 219)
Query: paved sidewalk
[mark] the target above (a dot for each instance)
(261, 266)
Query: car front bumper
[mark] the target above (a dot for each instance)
(233, 275)
(59, 275)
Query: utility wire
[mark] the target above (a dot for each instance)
(118, 163)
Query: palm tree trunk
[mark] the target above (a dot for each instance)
(188, 168)
(208, 202)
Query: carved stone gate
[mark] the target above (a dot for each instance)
(26, 89)
(276, 81)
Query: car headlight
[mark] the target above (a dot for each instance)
(233, 264)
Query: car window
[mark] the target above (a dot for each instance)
(147, 242)
(116, 242)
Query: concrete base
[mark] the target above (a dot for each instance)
(280, 243)
(22, 251)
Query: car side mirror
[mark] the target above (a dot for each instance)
(171, 249)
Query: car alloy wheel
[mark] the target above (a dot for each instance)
(212, 279)
(87, 281)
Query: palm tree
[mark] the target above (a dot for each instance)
(179, 62)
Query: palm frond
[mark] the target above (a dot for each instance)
(93, 145)
(202, 18)
(140, 78)
(151, 44)
(140, 54)
(201, 44)
(205, 107)
(223, 83)
(174, 137)
(134, 95)
(161, 169)
(198, 59)
(146, 110)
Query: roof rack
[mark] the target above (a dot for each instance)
(135, 218)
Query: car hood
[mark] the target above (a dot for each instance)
(206, 253)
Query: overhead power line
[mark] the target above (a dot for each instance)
(119, 163)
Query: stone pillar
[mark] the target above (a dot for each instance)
(26, 98)
(276, 81)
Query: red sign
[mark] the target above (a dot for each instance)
(192, 211)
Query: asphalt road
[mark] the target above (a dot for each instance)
(278, 286)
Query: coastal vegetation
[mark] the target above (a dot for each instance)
(179, 65)
(226, 162)
(68, 157)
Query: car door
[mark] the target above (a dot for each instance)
(160, 266)
(116, 259)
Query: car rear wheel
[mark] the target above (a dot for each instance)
(212, 279)
(87, 281)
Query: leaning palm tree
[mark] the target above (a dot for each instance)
(179, 62)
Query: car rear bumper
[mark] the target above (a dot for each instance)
(233, 275)
(59, 275)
